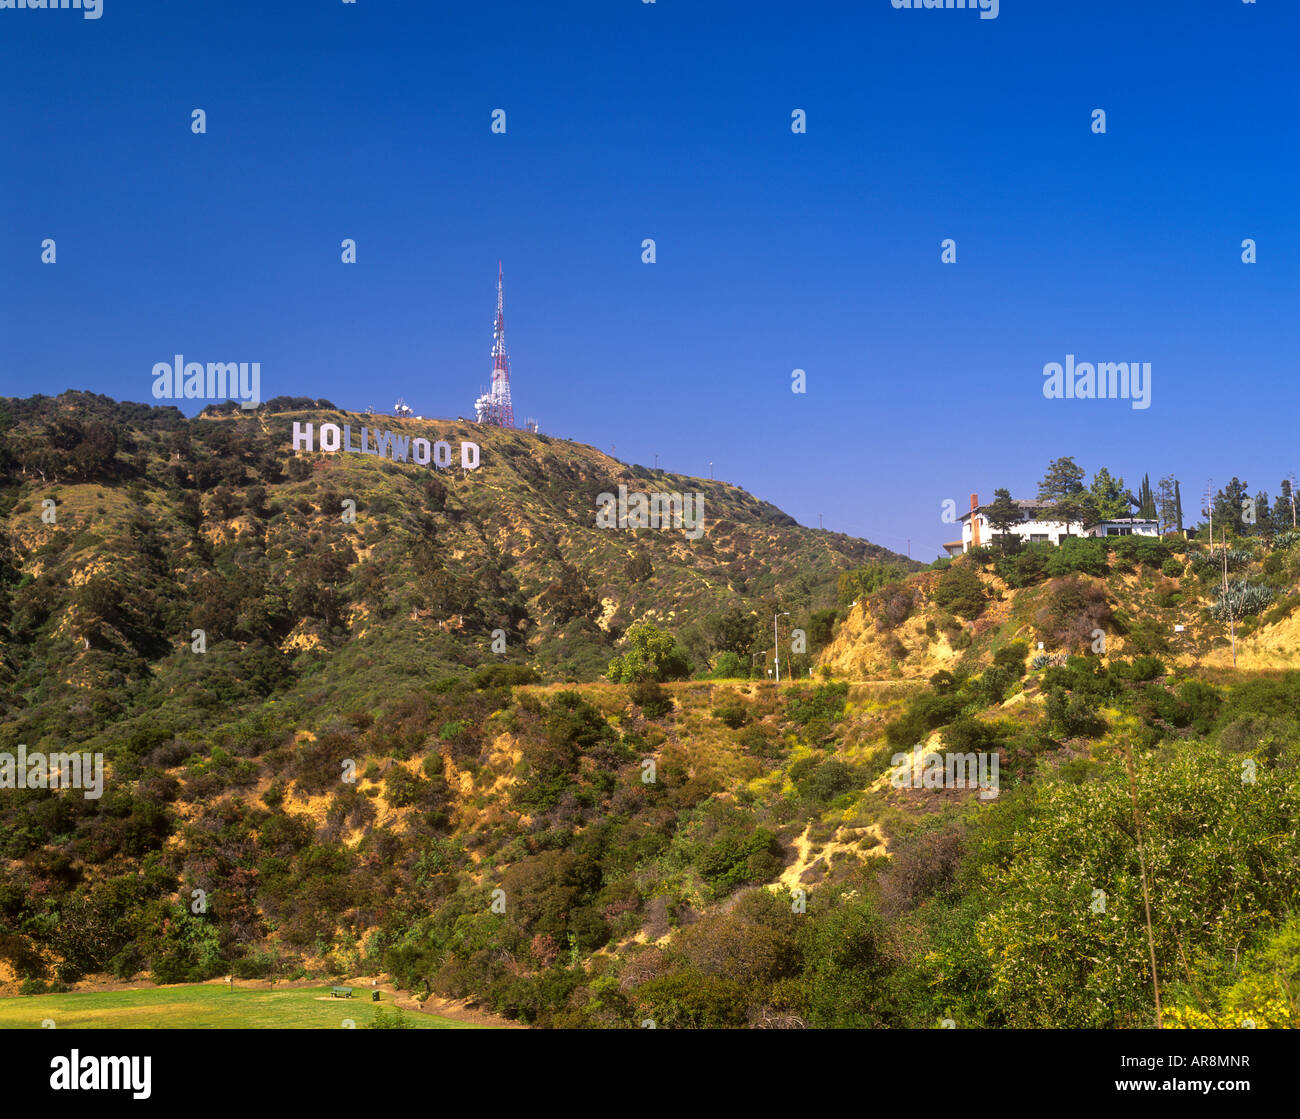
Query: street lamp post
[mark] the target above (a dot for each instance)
(776, 641)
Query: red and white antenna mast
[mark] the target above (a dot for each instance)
(500, 409)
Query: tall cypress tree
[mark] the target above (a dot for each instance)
(1178, 506)
(1263, 515)
(1284, 512)
(1146, 500)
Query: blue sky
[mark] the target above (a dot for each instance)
(775, 251)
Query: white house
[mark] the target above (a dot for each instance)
(1037, 528)
(1124, 526)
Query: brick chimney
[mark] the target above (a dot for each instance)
(974, 521)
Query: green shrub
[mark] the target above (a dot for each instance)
(1194, 703)
(1140, 669)
(728, 666)
(827, 780)
(994, 684)
(824, 704)
(856, 585)
(403, 788)
(504, 675)
(758, 742)
(923, 713)
(1133, 550)
(653, 700)
(1012, 657)
(943, 682)
(734, 715)
(1027, 567)
(968, 735)
(1146, 637)
(960, 590)
(1070, 716)
(1078, 555)
(689, 1000)
(737, 859)
(382, 1020)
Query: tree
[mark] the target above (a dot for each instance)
(1284, 511)
(1109, 497)
(1147, 500)
(1263, 516)
(731, 631)
(1062, 485)
(1051, 960)
(1167, 503)
(653, 654)
(1228, 505)
(1002, 514)
(1178, 506)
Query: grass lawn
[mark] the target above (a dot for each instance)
(204, 1006)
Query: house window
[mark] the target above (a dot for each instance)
(1119, 532)
(1038, 538)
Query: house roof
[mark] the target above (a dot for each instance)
(1028, 504)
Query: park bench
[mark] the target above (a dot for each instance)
(340, 992)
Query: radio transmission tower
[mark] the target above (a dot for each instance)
(494, 407)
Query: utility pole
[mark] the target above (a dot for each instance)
(776, 642)
(1227, 601)
(819, 521)
(1209, 508)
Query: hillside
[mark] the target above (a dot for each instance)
(164, 526)
(349, 782)
(1122, 597)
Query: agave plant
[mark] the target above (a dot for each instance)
(1285, 540)
(1237, 558)
(1241, 599)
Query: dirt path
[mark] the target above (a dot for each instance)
(458, 1010)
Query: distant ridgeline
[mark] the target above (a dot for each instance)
(387, 444)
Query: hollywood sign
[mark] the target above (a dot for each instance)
(387, 444)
